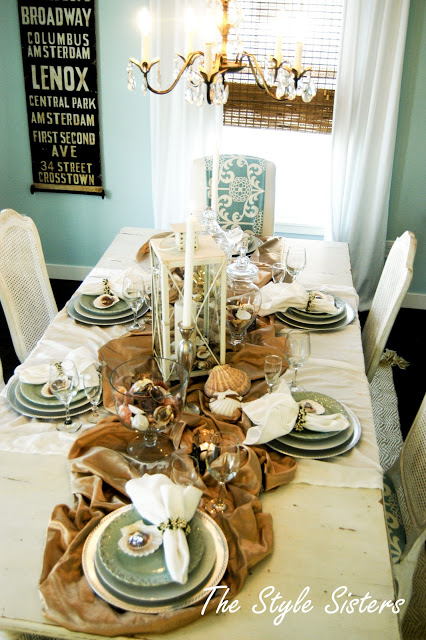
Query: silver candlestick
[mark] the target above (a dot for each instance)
(185, 357)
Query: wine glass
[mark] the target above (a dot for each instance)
(134, 294)
(296, 261)
(223, 463)
(278, 272)
(272, 368)
(185, 470)
(298, 350)
(149, 396)
(64, 383)
(93, 390)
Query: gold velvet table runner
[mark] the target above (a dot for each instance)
(100, 468)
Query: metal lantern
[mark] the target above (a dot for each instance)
(209, 298)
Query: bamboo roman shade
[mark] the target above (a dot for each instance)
(248, 106)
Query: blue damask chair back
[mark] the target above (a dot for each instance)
(246, 192)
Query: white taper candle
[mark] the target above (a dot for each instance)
(189, 270)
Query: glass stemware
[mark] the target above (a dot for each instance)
(272, 368)
(295, 261)
(278, 272)
(223, 463)
(93, 390)
(149, 396)
(134, 294)
(185, 470)
(64, 383)
(298, 350)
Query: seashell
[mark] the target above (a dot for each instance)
(311, 406)
(140, 385)
(105, 300)
(140, 422)
(203, 353)
(163, 415)
(46, 391)
(139, 539)
(243, 314)
(125, 414)
(223, 377)
(226, 404)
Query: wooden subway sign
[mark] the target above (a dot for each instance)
(58, 42)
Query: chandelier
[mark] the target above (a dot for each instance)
(223, 53)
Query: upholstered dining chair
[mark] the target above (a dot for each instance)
(25, 291)
(246, 192)
(390, 293)
(404, 494)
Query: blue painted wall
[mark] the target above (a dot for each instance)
(76, 229)
(407, 209)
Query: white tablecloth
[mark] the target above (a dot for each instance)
(336, 368)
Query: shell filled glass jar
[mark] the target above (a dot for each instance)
(243, 298)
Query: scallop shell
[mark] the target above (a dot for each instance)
(311, 406)
(223, 377)
(46, 391)
(226, 405)
(139, 539)
(105, 301)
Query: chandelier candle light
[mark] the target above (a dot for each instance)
(277, 77)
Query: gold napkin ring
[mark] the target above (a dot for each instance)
(311, 298)
(301, 419)
(107, 290)
(174, 524)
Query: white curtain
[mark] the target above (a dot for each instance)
(180, 132)
(364, 130)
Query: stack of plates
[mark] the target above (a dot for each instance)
(253, 243)
(82, 309)
(315, 444)
(299, 319)
(143, 584)
(27, 399)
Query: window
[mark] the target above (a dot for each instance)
(286, 132)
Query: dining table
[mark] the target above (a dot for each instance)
(329, 573)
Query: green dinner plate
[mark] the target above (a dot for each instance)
(146, 571)
(330, 405)
(32, 392)
(86, 302)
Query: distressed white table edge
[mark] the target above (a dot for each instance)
(330, 548)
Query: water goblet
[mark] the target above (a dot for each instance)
(295, 261)
(134, 294)
(298, 350)
(64, 383)
(278, 272)
(93, 390)
(185, 470)
(272, 368)
(223, 463)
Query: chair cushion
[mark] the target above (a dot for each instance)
(241, 191)
(394, 522)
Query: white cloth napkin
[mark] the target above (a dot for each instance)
(157, 499)
(280, 296)
(95, 287)
(275, 415)
(39, 373)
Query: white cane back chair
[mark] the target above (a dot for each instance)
(250, 168)
(25, 291)
(393, 285)
(407, 484)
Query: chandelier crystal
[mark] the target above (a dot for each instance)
(204, 72)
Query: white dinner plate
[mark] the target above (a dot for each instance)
(139, 605)
(324, 453)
